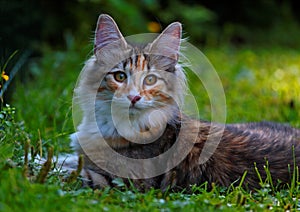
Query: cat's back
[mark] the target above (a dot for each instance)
(262, 141)
(250, 148)
(266, 129)
(245, 147)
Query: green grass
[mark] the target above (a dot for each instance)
(260, 84)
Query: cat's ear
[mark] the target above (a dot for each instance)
(106, 33)
(168, 42)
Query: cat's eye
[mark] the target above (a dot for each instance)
(120, 76)
(150, 79)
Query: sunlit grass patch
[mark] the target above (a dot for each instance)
(259, 84)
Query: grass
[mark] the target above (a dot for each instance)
(260, 84)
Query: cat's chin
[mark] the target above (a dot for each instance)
(134, 111)
(139, 125)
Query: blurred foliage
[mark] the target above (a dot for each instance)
(260, 84)
(32, 23)
(53, 78)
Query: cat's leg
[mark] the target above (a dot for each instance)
(93, 179)
(89, 177)
(169, 181)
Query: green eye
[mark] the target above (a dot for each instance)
(120, 76)
(150, 79)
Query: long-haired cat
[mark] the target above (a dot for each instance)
(131, 96)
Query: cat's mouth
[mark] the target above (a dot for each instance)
(133, 108)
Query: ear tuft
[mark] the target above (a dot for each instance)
(107, 32)
(168, 42)
(173, 30)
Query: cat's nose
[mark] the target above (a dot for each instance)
(133, 98)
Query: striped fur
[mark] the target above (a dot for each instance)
(146, 85)
(100, 91)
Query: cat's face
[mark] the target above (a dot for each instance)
(138, 85)
(138, 88)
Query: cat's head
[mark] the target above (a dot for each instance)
(138, 88)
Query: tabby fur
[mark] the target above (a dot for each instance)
(242, 147)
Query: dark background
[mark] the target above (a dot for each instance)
(35, 23)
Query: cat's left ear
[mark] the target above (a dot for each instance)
(107, 32)
(168, 42)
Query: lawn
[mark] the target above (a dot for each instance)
(259, 83)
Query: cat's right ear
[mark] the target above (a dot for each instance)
(106, 33)
(168, 42)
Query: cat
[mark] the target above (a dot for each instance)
(131, 96)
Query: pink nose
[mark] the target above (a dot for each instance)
(133, 99)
